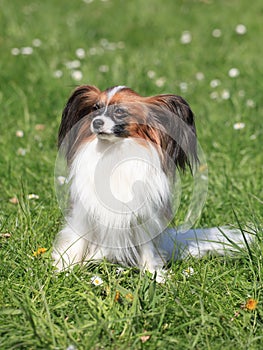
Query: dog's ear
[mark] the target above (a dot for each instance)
(80, 104)
(177, 129)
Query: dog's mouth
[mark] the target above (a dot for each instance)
(99, 133)
(104, 135)
(107, 136)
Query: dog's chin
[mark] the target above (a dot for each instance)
(107, 136)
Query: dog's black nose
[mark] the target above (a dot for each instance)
(97, 123)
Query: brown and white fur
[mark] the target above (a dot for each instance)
(122, 152)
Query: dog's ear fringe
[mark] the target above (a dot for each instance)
(179, 139)
(79, 104)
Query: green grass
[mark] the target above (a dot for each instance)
(41, 310)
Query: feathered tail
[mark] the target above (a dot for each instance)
(199, 242)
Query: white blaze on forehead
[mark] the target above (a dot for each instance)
(113, 91)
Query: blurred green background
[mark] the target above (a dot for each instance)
(210, 52)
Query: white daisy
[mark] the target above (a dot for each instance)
(151, 74)
(58, 74)
(27, 50)
(250, 103)
(160, 82)
(186, 37)
(200, 76)
(19, 133)
(214, 83)
(241, 29)
(21, 151)
(96, 280)
(33, 196)
(15, 51)
(225, 94)
(216, 33)
(214, 95)
(183, 86)
(72, 64)
(233, 72)
(80, 53)
(36, 42)
(239, 126)
(77, 75)
(188, 272)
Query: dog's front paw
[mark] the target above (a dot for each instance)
(58, 262)
(161, 275)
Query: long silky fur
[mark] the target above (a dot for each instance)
(160, 131)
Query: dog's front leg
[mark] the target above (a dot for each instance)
(153, 260)
(69, 249)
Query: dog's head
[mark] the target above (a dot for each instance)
(118, 112)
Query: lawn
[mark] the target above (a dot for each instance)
(208, 51)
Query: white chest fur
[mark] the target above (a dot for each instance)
(119, 186)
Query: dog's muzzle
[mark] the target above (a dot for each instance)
(97, 124)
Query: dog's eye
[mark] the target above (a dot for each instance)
(120, 112)
(95, 107)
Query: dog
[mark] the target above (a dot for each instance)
(123, 152)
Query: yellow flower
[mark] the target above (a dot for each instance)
(117, 296)
(40, 251)
(129, 297)
(251, 304)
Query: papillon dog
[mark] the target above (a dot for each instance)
(123, 153)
